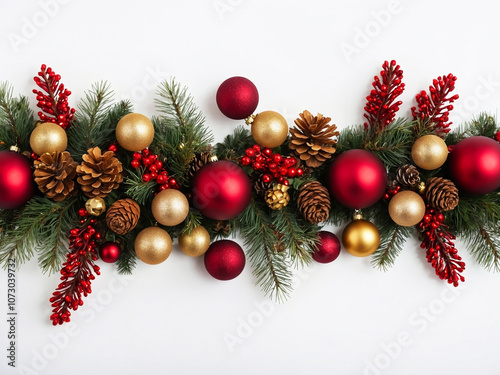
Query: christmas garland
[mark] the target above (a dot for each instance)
(101, 183)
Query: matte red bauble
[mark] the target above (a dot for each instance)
(221, 190)
(224, 260)
(357, 179)
(110, 252)
(237, 97)
(16, 180)
(328, 249)
(474, 165)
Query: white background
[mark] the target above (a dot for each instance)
(343, 318)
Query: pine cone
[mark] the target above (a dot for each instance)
(222, 227)
(277, 197)
(314, 202)
(55, 174)
(198, 161)
(99, 174)
(408, 175)
(260, 186)
(441, 193)
(123, 216)
(312, 140)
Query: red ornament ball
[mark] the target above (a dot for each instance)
(357, 179)
(221, 190)
(328, 249)
(474, 165)
(110, 252)
(224, 260)
(237, 97)
(16, 180)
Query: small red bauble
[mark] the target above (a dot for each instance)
(237, 97)
(221, 190)
(110, 252)
(474, 165)
(328, 249)
(224, 260)
(16, 180)
(357, 179)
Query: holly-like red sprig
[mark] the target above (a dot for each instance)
(441, 251)
(381, 106)
(153, 170)
(78, 270)
(273, 167)
(54, 102)
(436, 107)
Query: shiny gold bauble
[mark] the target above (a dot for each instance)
(48, 137)
(95, 206)
(135, 132)
(429, 152)
(196, 243)
(360, 238)
(269, 129)
(153, 245)
(170, 207)
(407, 208)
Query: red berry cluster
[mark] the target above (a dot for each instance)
(441, 251)
(54, 102)
(497, 136)
(436, 107)
(272, 166)
(78, 270)
(390, 192)
(153, 169)
(381, 107)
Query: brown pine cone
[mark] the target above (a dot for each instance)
(441, 193)
(198, 161)
(312, 140)
(55, 174)
(408, 175)
(222, 227)
(277, 197)
(260, 186)
(99, 173)
(314, 202)
(123, 216)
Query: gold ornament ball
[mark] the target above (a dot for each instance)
(407, 208)
(135, 132)
(196, 243)
(48, 137)
(269, 129)
(95, 206)
(170, 207)
(429, 152)
(153, 245)
(360, 238)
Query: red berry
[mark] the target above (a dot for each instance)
(273, 167)
(250, 152)
(267, 152)
(153, 175)
(292, 162)
(82, 212)
(281, 179)
(256, 148)
(172, 181)
(300, 172)
(286, 182)
(161, 179)
(164, 187)
(113, 148)
(256, 166)
(135, 164)
(146, 177)
(159, 164)
(283, 171)
(267, 178)
(146, 161)
(277, 158)
(260, 159)
(292, 172)
(152, 168)
(245, 160)
(136, 156)
(145, 152)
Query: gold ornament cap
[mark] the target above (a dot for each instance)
(48, 137)
(269, 129)
(429, 152)
(135, 132)
(360, 238)
(170, 207)
(407, 208)
(196, 243)
(95, 206)
(153, 245)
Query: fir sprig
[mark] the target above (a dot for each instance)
(484, 245)
(137, 189)
(484, 125)
(235, 144)
(271, 268)
(128, 258)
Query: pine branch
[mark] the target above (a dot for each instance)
(128, 259)
(95, 121)
(16, 119)
(484, 244)
(269, 267)
(180, 131)
(234, 145)
(484, 125)
(299, 237)
(392, 241)
(137, 189)
(192, 221)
